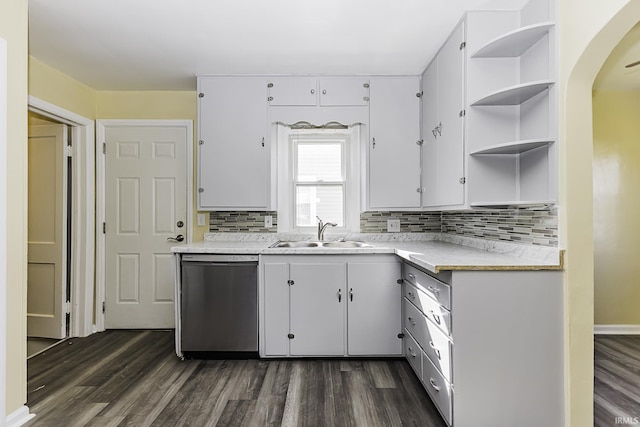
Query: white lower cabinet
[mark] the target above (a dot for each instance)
(498, 359)
(330, 305)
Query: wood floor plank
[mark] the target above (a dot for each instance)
(133, 378)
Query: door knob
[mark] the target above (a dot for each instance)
(178, 238)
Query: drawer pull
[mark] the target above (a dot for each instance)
(435, 317)
(433, 384)
(435, 349)
(413, 322)
(411, 352)
(411, 294)
(434, 290)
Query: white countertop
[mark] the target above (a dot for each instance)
(434, 252)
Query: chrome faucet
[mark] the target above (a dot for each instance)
(322, 226)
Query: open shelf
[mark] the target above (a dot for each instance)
(514, 95)
(514, 43)
(514, 147)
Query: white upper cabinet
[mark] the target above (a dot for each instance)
(290, 91)
(344, 91)
(233, 169)
(443, 176)
(394, 144)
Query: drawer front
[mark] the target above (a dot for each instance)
(438, 388)
(436, 289)
(435, 344)
(438, 314)
(413, 354)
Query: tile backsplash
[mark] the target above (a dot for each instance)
(410, 222)
(241, 222)
(531, 226)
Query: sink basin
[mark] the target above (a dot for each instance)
(307, 244)
(296, 245)
(345, 244)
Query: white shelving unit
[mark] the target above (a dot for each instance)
(511, 114)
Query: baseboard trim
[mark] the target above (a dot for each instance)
(19, 417)
(616, 329)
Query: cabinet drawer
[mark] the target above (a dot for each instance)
(439, 315)
(413, 354)
(438, 388)
(435, 344)
(437, 290)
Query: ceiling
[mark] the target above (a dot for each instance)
(613, 75)
(164, 44)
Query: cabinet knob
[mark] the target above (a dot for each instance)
(324, 91)
(270, 85)
(373, 143)
(270, 98)
(313, 91)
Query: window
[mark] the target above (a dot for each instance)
(318, 172)
(319, 180)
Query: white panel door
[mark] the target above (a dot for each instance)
(145, 205)
(318, 303)
(276, 309)
(46, 269)
(430, 123)
(344, 91)
(374, 315)
(394, 155)
(287, 91)
(451, 102)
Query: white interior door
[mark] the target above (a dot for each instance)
(145, 197)
(46, 269)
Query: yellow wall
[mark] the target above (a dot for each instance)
(616, 209)
(13, 28)
(55, 87)
(154, 105)
(589, 30)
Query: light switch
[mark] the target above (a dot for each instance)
(268, 221)
(393, 225)
(201, 219)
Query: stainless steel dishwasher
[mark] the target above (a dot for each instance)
(219, 305)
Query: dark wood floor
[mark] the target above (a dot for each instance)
(617, 380)
(133, 378)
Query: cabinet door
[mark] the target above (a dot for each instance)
(430, 135)
(344, 91)
(293, 91)
(394, 155)
(450, 103)
(276, 309)
(232, 158)
(318, 304)
(374, 314)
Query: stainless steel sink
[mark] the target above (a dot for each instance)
(307, 244)
(345, 244)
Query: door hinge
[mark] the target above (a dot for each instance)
(463, 180)
(201, 95)
(400, 335)
(463, 45)
(200, 142)
(104, 307)
(400, 281)
(462, 113)
(291, 282)
(67, 307)
(69, 150)
(420, 142)
(104, 148)
(200, 190)
(104, 228)
(419, 94)
(419, 190)
(291, 336)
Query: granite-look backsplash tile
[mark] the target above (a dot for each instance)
(533, 226)
(242, 222)
(410, 222)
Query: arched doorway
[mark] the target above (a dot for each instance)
(590, 30)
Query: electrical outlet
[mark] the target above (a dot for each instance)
(268, 221)
(201, 221)
(393, 225)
